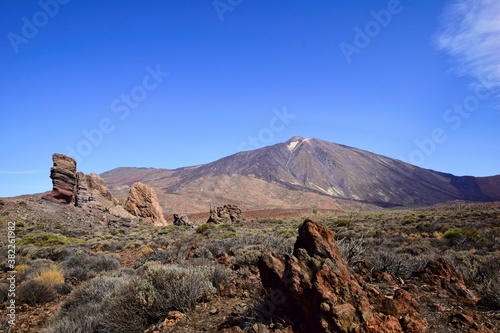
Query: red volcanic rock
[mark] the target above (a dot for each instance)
(440, 273)
(63, 175)
(381, 324)
(320, 294)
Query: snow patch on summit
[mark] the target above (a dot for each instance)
(291, 146)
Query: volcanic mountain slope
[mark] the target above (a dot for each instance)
(304, 173)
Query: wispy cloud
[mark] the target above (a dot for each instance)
(470, 33)
(20, 172)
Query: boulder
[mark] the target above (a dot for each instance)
(317, 291)
(225, 214)
(441, 273)
(64, 179)
(182, 220)
(142, 202)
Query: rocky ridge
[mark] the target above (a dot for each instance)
(89, 192)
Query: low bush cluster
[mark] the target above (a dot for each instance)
(83, 266)
(130, 303)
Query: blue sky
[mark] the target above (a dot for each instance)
(175, 83)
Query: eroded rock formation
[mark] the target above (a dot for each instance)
(64, 179)
(319, 294)
(226, 214)
(142, 202)
(92, 188)
(182, 220)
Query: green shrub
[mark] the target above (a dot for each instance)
(286, 232)
(226, 227)
(204, 228)
(460, 236)
(339, 223)
(47, 239)
(166, 230)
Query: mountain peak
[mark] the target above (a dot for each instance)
(295, 138)
(294, 141)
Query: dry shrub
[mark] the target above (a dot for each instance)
(83, 309)
(351, 249)
(398, 264)
(182, 287)
(34, 268)
(52, 275)
(141, 301)
(33, 292)
(125, 309)
(83, 266)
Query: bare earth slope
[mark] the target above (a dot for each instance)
(303, 173)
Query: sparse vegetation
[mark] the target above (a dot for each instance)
(142, 273)
(48, 239)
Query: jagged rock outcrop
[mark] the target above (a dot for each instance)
(182, 220)
(142, 202)
(92, 188)
(64, 179)
(319, 294)
(226, 214)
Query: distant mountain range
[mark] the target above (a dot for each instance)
(303, 173)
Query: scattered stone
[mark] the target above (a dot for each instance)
(142, 202)
(226, 214)
(213, 311)
(173, 318)
(119, 222)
